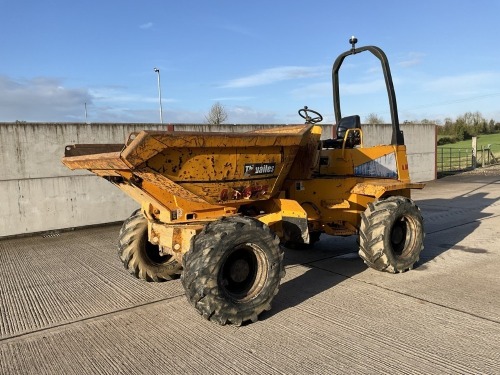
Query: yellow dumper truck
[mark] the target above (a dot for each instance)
(217, 209)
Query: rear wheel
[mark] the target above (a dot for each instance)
(141, 257)
(233, 270)
(391, 234)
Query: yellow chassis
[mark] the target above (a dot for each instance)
(282, 177)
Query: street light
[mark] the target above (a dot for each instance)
(159, 94)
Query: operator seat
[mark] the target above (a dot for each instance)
(353, 137)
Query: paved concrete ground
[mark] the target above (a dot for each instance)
(68, 306)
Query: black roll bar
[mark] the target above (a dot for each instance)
(397, 134)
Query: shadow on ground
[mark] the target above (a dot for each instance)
(442, 218)
(312, 278)
(448, 221)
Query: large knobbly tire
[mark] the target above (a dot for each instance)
(233, 270)
(391, 235)
(141, 257)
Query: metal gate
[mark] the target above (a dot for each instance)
(453, 160)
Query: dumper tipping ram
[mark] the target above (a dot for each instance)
(217, 208)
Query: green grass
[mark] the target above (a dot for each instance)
(482, 140)
(458, 156)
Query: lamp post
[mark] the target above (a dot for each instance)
(159, 94)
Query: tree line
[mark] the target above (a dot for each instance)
(466, 126)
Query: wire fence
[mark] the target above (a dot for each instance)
(454, 160)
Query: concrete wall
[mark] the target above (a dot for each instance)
(40, 194)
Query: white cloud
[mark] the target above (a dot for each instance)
(272, 75)
(47, 99)
(40, 99)
(117, 95)
(412, 59)
(233, 99)
(248, 115)
(361, 88)
(479, 83)
(316, 90)
(146, 26)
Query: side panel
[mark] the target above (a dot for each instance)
(329, 199)
(225, 175)
(334, 204)
(378, 162)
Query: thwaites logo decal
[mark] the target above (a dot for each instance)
(259, 169)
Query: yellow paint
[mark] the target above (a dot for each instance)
(173, 240)
(183, 180)
(333, 204)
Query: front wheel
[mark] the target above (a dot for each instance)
(391, 234)
(142, 258)
(233, 270)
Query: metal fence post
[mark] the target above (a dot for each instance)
(450, 163)
(474, 152)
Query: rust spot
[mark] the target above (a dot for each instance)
(224, 195)
(258, 191)
(247, 192)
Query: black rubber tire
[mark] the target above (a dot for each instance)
(233, 270)
(391, 234)
(140, 256)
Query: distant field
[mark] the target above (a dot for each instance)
(458, 156)
(482, 140)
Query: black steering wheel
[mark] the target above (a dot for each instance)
(310, 120)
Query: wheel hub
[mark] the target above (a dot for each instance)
(399, 235)
(243, 273)
(239, 270)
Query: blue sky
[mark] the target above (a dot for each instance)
(263, 60)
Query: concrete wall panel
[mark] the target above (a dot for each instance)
(43, 204)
